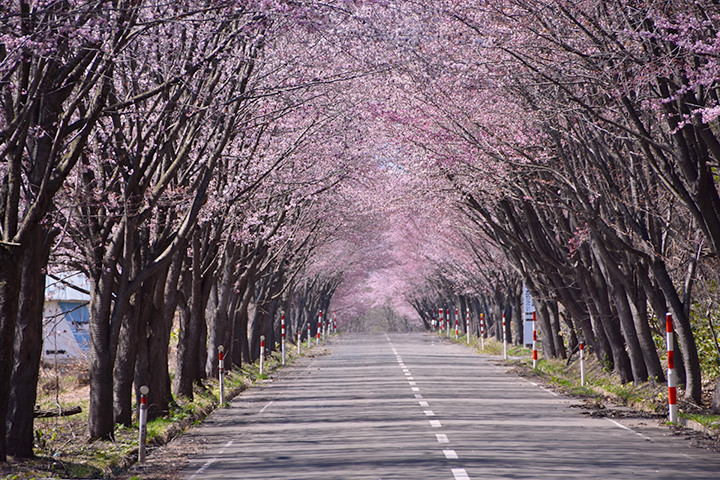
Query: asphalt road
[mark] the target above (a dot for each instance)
(414, 406)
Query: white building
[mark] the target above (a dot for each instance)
(66, 331)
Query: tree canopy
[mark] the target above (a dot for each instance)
(210, 164)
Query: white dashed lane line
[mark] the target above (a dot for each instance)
(450, 454)
(212, 460)
(458, 473)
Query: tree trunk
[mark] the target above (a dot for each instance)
(637, 360)
(557, 338)
(683, 331)
(10, 258)
(126, 357)
(189, 335)
(217, 310)
(542, 318)
(715, 406)
(518, 318)
(611, 327)
(192, 325)
(638, 307)
(258, 327)
(100, 415)
(28, 350)
(159, 324)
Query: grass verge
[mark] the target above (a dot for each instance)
(564, 375)
(61, 446)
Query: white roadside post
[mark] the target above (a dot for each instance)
(299, 341)
(308, 335)
(441, 325)
(482, 331)
(672, 379)
(334, 327)
(282, 336)
(262, 353)
(142, 421)
(221, 372)
(456, 324)
(319, 327)
(582, 362)
(467, 325)
(504, 339)
(534, 326)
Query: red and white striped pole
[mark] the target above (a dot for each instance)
(482, 331)
(467, 325)
(221, 372)
(142, 421)
(672, 379)
(334, 322)
(582, 363)
(504, 339)
(456, 324)
(262, 353)
(308, 335)
(441, 319)
(282, 332)
(432, 324)
(319, 327)
(534, 325)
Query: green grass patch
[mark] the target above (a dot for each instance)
(709, 421)
(62, 449)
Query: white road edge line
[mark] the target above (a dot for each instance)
(442, 438)
(460, 474)
(540, 386)
(266, 406)
(211, 461)
(435, 423)
(628, 428)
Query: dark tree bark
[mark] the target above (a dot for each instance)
(542, 318)
(125, 361)
(638, 306)
(28, 349)
(683, 330)
(9, 299)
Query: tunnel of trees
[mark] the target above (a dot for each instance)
(210, 164)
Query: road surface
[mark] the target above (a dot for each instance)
(415, 406)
